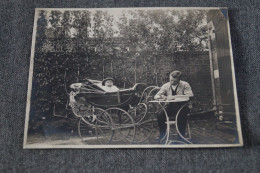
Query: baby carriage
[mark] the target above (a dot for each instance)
(111, 117)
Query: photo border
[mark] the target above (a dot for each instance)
(45, 146)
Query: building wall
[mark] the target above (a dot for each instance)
(195, 67)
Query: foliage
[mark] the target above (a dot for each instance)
(77, 44)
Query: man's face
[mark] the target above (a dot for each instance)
(174, 81)
(109, 83)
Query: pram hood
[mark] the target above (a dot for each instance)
(88, 85)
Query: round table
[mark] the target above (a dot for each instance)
(168, 122)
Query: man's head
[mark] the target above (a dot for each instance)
(175, 77)
(109, 82)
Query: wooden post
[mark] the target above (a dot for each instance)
(111, 67)
(103, 75)
(213, 52)
(78, 74)
(135, 69)
(212, 71)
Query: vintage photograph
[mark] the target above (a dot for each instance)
(131, 78)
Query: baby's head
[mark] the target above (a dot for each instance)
(108, 82)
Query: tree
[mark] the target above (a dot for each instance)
(41, 29)
(156, 32)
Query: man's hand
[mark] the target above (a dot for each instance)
(170, 97)
(163, 97)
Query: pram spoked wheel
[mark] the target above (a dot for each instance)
(143, 123)
(95, 127)
(145, 127)
(123, 126)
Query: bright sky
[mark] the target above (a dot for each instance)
(116, 13)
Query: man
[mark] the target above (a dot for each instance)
(174, 87)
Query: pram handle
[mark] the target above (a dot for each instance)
(138, 84)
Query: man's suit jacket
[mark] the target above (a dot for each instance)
(183, 89)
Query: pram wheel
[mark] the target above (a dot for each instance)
(144, 128)
(95, 127)
(138, 112)
(143, 123)
(123, 126)
(103, 126)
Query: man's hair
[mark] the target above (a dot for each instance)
(176, 74)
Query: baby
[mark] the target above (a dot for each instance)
(108, 85)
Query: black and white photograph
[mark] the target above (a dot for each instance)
(131, 78)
